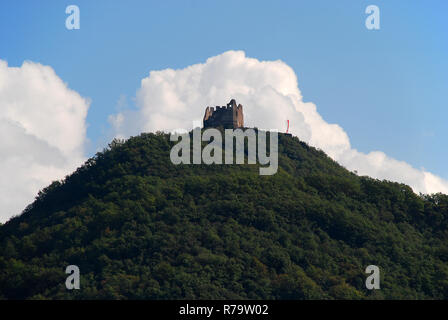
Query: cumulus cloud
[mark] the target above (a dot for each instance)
(42, 129)
(170, 99)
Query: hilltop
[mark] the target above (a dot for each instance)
(140, 227)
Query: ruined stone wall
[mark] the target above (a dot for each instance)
(230, 116)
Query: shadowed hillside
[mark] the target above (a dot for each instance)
(140, 227)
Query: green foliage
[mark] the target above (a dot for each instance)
(140, 227)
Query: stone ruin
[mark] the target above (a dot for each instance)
(229, 117)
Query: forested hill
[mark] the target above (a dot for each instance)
(140, 227)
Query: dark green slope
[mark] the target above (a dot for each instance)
(139, 227)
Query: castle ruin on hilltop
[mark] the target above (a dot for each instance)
(229, 117)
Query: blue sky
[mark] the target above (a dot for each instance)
(387, 88)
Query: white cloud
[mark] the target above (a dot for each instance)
(42, 129)
(268, 90)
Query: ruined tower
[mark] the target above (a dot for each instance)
(230, 116)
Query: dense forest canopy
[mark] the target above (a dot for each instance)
(140, 227)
